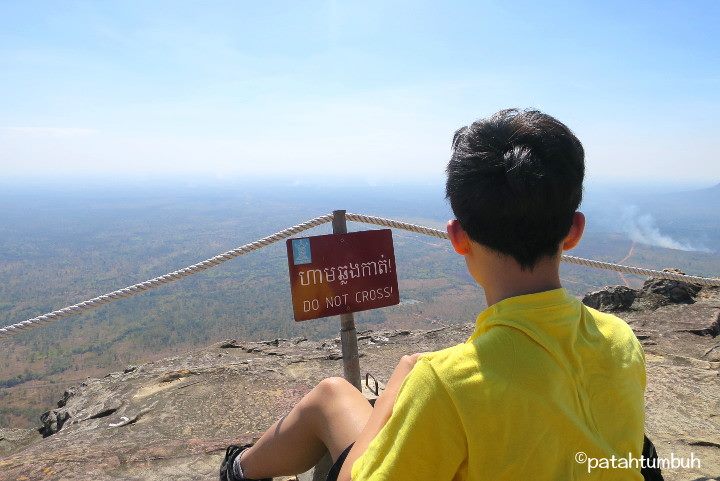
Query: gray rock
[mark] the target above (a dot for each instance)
(69, 392)
(713, 354)
(53, 421)
(15, 439)
(611, 298)
(676, 292)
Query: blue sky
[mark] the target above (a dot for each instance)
(364, 90)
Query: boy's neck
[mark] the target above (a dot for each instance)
(503, 278)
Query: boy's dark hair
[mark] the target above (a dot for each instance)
(515, 181)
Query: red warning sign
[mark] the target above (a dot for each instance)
(340, 273)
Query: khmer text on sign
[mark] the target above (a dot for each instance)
(340, 273)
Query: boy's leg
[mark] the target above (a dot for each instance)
(330, 417)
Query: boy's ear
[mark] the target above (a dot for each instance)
(576, 231)
(458, 237)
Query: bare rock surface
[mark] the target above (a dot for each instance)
(172, 419)
(653, 294)
(675, 291)
(682, 400)
(611, 298)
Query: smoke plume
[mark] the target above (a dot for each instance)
(643, 229)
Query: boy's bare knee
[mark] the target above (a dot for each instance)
(332, 387)
(326, 396)
(325, 391)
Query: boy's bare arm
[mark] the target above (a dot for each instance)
(380, 414)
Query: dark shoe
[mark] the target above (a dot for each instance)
(226, 468)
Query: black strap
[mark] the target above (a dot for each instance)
(650, 469)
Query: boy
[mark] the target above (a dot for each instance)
(541, 379)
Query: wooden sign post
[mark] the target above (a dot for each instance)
(348, 334)
(339, 274)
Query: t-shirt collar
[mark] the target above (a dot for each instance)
(525, 302)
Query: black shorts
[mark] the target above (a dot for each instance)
(335, 470)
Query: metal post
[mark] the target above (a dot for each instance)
(351, 359)
(348, 335)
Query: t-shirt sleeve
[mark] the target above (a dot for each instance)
(423, 439)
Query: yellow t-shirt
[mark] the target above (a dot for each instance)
(541, 379)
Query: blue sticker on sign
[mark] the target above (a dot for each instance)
(301, 251)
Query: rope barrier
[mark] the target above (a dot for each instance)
(703, 281)
(283, 234)
(159, 281)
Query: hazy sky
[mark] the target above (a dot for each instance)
(372, 90)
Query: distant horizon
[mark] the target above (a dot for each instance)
(179, 181)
